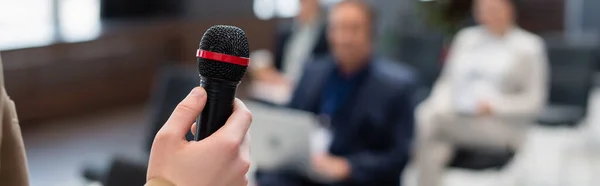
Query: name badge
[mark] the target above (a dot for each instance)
(321, 137)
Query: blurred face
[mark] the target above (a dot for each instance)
(308, 8)
(309, 4)
(349, 35)
(495, 15)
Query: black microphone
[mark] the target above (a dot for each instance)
(223, 57)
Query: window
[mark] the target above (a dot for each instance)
(30, 23)
(79, 19)
(26, 23)
(268, 9)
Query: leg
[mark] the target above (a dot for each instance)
(484, 132)
(433, 152)
(431, 162)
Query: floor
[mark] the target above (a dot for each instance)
(58, 150)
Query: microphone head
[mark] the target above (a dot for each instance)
(228, 40)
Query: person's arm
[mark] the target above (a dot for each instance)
(442, 85)
(302, 88)
(531, 100)
(283, 34)
(369, 166)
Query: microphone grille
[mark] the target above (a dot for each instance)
(228, 40)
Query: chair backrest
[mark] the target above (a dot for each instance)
(173, 83)
(424, 53)
(572, 69)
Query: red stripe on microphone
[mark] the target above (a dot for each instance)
(223, 57)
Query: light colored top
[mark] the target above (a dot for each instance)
(480, 74)
(299, 48)
(509, 72)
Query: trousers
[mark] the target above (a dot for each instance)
(441, 130)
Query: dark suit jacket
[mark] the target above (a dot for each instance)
(284, 33)
(379, 117)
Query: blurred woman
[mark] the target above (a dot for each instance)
(494, 84)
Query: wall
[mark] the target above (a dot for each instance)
(542, 16)
(218, 9)
(591, 15)
(67, 79)
(116, 69)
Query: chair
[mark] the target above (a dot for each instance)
(173, 84)
(481, 158)
(572, 69)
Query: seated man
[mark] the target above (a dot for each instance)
(494, 84)
(369, 103)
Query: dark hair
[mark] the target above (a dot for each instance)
(366, 8)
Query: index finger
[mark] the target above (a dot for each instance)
(238, 123)
(185, 114)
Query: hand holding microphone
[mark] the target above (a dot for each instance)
(223, 159)
(219, 156)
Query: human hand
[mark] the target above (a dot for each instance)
(222, 159)
(332, 167)
(484, 109)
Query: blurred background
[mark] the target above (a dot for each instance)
(93, 80)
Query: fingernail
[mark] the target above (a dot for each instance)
(197, 92)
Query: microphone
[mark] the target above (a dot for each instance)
(223, 57)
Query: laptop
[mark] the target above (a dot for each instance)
(282, 139)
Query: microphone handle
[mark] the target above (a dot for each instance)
(218, 108)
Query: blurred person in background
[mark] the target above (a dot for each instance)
(298, 40)
(13, 162)
(368, 102)
(173, 160)
(494, 85)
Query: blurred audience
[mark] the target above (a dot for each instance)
(298, 40)
(493, 85)
(368, 102)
